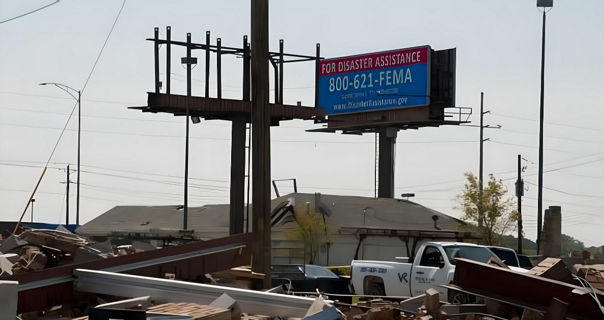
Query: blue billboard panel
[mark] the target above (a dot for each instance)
(376, 81)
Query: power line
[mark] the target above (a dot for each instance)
(569, 203)
(555, 137)
(206, 123)
(550, 123)
(30, 12)
(533, 147)
(7, 163)
(569, 193)
(89, 116)
(64, 98)
(226, 139)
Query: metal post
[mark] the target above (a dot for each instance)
(168, 57)
(246, 97)
(67, 199)
(387, 144)
(32, 209)
(480, 205)
(246, 70)
(186, 191)
(376, 164)
(261, 191)
(156, 58)
(281, 71)
(519, 194)
(540, 182)
(207, 64)
(219, 68)
(238, 133)
(275, 79)
(317, 61)
(78, 174)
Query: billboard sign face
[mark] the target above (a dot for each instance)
(376, 81)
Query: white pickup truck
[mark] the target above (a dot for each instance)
(434, 265)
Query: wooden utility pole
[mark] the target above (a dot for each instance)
(261, 160)
(519, 194)
(67, 199)
(480, 204)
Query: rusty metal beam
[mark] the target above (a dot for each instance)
(224, 109)
(524, 290)
(422, 234)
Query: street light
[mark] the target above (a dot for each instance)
(67, 89)
(541, 4)
(32, 209)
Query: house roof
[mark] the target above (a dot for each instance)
(210, 221)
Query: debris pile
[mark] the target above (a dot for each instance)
(35, 250)
(594, 274)
(38, 249)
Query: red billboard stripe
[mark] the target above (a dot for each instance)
(388, 59)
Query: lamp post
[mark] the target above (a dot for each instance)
(32, 209)
(541, 4)
(188, 61)
(67, 89)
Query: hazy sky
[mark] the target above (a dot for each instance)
(131, 158)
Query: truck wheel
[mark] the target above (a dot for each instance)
(376, 289)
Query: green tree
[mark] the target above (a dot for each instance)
(570, 244)
(490, 212)
(311, 230)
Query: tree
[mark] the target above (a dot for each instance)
(491, 212)
(570, 244)
(311, 230)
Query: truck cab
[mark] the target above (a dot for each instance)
(433, 266)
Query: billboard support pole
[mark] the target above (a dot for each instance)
(387, 144)
(261, 167)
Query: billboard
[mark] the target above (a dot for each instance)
(375, 81)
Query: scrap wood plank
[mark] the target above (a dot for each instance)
(239, 273)
(193, 310)
(552, 268)
(594, 274)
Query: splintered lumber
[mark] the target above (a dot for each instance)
(497, 263)
(193, 310)
(552, 268)
(66, 242)
(594, 274)
(432, 301)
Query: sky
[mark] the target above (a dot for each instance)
(134, 158)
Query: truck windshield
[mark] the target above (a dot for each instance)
(479, 254)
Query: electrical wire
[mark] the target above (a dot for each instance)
(555, 137)
(86, 82)
(226, 139)
(70, 115)
(547, 122)
(590, 291)
(30, 12)
(65, 98)
(533, 147)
